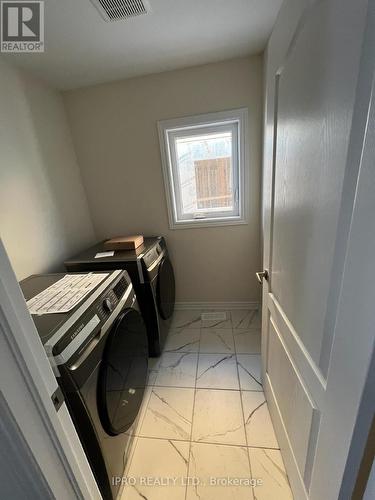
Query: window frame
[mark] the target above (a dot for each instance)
(169, 129)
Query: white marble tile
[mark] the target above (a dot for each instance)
(245, 319)
(217, 324)
(217, 371)
(247, 341)
(259, 428)
(249, 371)
(169, 413)
(268, 466)
(142, 411)
(218, 417)
(158, 460)
(177, 369)
(186, 319)
(218, 461)
(151, 377)
(217, 341)
(183, 340)
(135, 428)
(153, 368)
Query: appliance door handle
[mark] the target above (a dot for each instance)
(157, 261)
(262, 275)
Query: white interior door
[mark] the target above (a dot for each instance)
(318, 92)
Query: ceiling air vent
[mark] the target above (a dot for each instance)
(116, 10)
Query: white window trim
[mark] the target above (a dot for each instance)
(165, 126)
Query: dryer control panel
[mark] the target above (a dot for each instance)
(153, 255)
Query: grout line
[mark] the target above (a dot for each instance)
(192, 415)
(248, 329)
(243, 416)
(205, 388)
(212, 353)
(243, 412)
(248, 353)
(211, 443)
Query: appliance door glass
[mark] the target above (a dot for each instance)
(123, 373)
(165, 289)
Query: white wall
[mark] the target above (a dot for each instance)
(115, 134)
(44, 215)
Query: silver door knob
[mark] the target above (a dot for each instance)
(262, 275)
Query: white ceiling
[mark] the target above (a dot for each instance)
(82, 49)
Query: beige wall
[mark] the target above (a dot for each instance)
(115, 134)
(43, 209)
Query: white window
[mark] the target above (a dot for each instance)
(204, 164)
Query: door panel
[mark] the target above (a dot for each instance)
(315, 106)
(302, 361)
(295, 404)
(309, 188)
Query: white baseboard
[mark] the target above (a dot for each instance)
(184, 306)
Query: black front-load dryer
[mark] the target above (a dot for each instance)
(151, 272)
(99, 354)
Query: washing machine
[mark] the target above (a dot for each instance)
(99, 353)
(151, 272)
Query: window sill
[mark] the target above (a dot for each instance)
(199, 223)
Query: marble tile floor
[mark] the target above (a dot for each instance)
(204, 430)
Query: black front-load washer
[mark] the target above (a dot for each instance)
(151, 272)
(99, 354)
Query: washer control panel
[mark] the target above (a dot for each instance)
(109, 302)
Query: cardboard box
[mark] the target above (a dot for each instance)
(124, 243)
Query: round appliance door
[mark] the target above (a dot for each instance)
(165, 289)
(123, 373)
